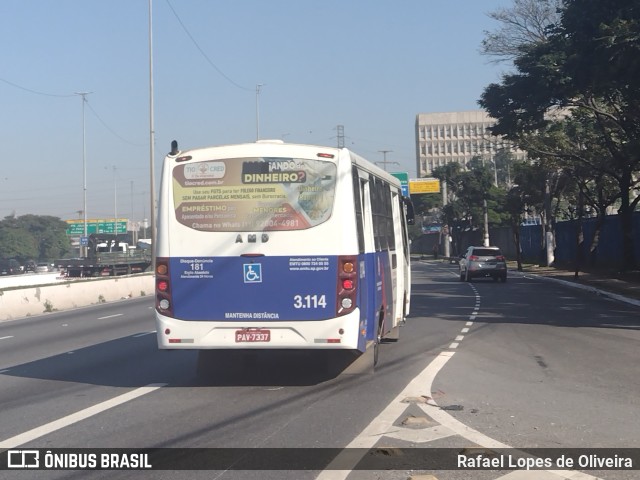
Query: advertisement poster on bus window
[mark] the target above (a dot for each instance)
(254, 194)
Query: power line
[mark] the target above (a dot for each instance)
(104, 124)
(111, 130)
(204, 54)
(36, 92)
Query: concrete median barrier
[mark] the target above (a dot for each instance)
(23, 301)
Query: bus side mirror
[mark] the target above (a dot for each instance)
(408, 209)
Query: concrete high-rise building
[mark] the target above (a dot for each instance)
(447, 137)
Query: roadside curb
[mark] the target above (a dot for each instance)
(579, 286)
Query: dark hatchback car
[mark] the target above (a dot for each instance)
(480, 262)
(10, 267)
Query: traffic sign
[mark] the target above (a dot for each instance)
(76, 227)
(404, 181)
(424, 185)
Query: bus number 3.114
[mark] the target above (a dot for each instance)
(309, 301)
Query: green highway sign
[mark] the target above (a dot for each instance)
(404, 181)
(76, 227)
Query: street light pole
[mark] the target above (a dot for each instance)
(485, 214)
(84, 171)
(115, 201)
(152, 181)
(258, 86)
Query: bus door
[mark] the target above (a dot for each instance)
(366, 263)
(400, 263)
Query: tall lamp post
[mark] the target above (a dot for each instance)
(115, 201)
(151, 143)
(258, 86)
(84, 172)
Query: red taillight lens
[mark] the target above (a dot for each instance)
(473, 257)
(347, 284)
(500, 258)
(163, 287)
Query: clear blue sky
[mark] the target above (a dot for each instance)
(369, 65)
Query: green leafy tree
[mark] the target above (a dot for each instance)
(33, 237)
(585, 70)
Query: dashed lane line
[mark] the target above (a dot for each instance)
(43, 430)
(111, 316)
(383, 424)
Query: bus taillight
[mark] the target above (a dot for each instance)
(347, 285)
(163, 287)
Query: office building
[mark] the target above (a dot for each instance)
(447, 137)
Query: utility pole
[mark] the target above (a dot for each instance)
(84, 172)
(447, 231)
(115, 201)
(152, 180)
(258, 86)
(385, 162)
(340, 129)
(485, 213)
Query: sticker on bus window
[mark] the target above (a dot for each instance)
(254, 194)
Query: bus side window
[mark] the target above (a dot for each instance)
(377, 210)
(357, 197)
(388, 213)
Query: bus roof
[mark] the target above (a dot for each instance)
(277, 147)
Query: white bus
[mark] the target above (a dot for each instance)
(270, 245)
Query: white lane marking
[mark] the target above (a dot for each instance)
(468, 324)
(143, 334)
(459, 338)
(7, 337)
(454, 345)
(446, 420)
(38, 432)
(421, 435)
(464, 330)
(110, 316)
(383, 423)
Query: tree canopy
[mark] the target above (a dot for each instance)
(33, 237)
(574, 100)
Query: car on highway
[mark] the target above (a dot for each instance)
(479, 262)
(10, 267)
(43, 267)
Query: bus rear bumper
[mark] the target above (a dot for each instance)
(334, 334)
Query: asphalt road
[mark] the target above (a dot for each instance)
(527, 364)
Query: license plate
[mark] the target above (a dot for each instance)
(256, 335)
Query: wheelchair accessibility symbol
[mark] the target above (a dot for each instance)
(252, 272)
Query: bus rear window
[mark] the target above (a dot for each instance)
(254, 194)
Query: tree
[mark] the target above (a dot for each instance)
(471, 193)
(586, 71)
(33, 237)
(524, 24)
